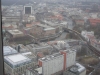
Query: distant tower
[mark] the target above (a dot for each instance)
(28, 10)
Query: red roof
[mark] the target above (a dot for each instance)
(94, 21)
(59, 17)
(35, 22)
(28, 25)
(40, 54)
(91, 36)
(7, 27)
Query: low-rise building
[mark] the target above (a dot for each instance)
(86, 34)
(21, 48)
(17, 64)
(79, 22)
(47, 49)
(40, 55)
(12, 16)
(78, 19)
(89, 36)
(77, 69)
(9, 26)
(49, 31)
(30, 55)
(94, 22)
(40, 48)
(94, 19)
(14, 33)
(7, 50)
(31, 71)
(31, 18)
(57, 25)
(65, 44)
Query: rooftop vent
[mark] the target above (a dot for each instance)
(74, 69)
(16, 31)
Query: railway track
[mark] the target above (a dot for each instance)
(93, 49)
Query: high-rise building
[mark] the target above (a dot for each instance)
(57, 62)
(27, 9)
(52, 64)
(69, 58)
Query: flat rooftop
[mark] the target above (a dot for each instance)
(77, 68)
(49, 29)
(70, 50)
(51, 57)
(16, 60)
(39, 70)
(7, 50)
(80, 67)
(15, 32)
(43, 25)
(51, 23)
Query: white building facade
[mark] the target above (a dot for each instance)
(17, 64)
(52, 64)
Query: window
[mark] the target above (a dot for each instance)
(49, 27)
(1, 47)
